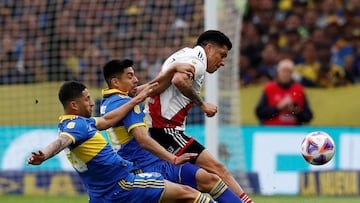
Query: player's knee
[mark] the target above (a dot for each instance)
(206, 181)
(186, 189)
(222, 171)
(189, 192)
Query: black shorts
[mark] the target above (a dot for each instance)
(176, 141)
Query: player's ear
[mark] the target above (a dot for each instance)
(73, 105)
(208, 47)
(114, 82)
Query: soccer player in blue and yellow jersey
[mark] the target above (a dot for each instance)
(131, 140)
(105, 174)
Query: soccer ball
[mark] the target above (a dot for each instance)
(318, 148)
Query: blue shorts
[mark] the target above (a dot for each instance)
(184, 174)
(143, 187)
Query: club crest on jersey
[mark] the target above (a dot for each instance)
(137, 109)
(193, 62)
(70, 125)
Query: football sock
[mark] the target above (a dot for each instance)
(203, 198)
(245, 198)
(222, 194)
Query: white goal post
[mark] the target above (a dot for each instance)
(211, 91)
(223, 85)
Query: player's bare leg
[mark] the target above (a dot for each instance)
(207, 161)
(184, 193)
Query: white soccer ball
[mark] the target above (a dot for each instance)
(318, 148)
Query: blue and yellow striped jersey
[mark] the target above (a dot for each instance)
(120, 135)
(91, 155)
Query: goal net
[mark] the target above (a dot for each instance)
(44, 43)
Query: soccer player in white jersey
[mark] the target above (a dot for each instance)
(167, 112)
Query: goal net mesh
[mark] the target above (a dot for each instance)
(44, 43)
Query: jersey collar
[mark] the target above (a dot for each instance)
(107, 92)
(67, 117)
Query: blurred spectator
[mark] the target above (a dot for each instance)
(342, 47)
(8, 71)
(329, 11)
(299, 7)
(319, 37)
(317, 70)
(283, 101)
(292, 41)
(307, 70)
(91, 73)
(310, 20)
(329, 74)
(251, 45)
(248, 73)
(269, 60)
(293, 22)
(260, 15)
(356, 63)
(349, 69)
(31, 66)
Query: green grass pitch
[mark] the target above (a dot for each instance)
(256, 198)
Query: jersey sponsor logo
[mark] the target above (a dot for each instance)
(70, 125)
(151, 100)
(90, 128)
(102, 109)
(137, 109)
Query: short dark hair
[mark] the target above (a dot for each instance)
(69, 91)
(214, 36)
(114, 67)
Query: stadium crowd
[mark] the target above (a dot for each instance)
(322, 37)
(70, 39)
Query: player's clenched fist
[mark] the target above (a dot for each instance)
(209, 109)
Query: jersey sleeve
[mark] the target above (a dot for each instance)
(134, 118)
(193, 57)
(196, 60)
(114, 103)
(77, 129)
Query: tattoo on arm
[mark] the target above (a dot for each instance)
(57, 146)
(184, 84)
(190, 93)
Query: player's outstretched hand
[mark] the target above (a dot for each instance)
(37, 158)
(145, 92)
(209, 109)
(184, 158)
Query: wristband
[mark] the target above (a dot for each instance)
(175, 160)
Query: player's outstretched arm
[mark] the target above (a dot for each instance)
(164, 79)
(51, 150)
(109, 119)
(141, 135)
